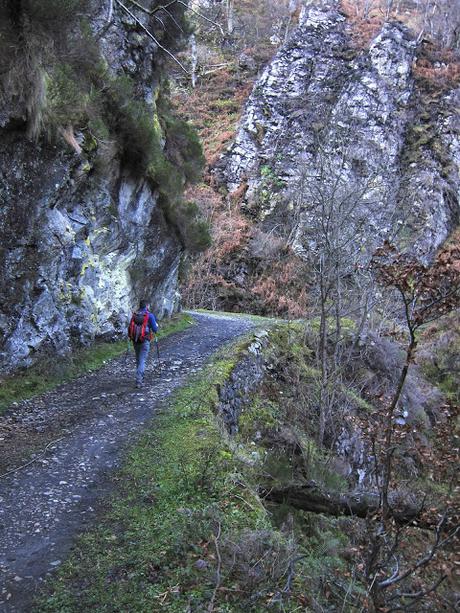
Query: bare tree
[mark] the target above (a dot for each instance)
(333, 236)
(426, 293)
(194, 59)
(440, 19)
(229, 10)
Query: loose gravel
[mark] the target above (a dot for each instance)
(84, 427)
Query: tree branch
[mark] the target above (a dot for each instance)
(110, 12)
(150, 35)
(426, 559)
(218, 571)
(166, 6)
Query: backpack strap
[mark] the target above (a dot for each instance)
(144, 325)
(131, 327)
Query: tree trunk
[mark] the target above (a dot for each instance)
(230, 25)
(194, 59)
(360, 504)
(388, 450)
(110, 11)
(322, 356)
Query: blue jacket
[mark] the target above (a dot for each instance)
(152, 323)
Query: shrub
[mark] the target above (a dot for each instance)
(440, 357)
(53, 13)
(192, 228)
(166, 177)
(184, 147)
(66, 101)
(175, 26)
(132, 122)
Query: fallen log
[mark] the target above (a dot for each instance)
(358, 504)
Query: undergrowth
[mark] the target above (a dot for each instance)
(186, 530)
(50, 373)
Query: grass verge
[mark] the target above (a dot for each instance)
(48, 374)
(185, 530)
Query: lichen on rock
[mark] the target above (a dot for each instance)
(83, 234)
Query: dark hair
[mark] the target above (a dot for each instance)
(143, 304)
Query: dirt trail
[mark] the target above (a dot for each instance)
(46, 504)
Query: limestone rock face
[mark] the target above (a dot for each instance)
(78, 249)
(358, 121)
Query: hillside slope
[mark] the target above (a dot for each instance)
(368, 126)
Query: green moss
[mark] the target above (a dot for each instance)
(176, 491)
(358, 401)
(260, 414)
(225, 104)
(270, 186)
(46, 375)
(432, 488)
(348, 325)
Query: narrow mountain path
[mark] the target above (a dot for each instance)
(90, 421)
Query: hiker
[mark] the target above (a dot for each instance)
(141, 331)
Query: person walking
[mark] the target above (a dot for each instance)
(141, 331)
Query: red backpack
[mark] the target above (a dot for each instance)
(137, 327)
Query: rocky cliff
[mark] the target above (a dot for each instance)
(376, 127)
(82, 232)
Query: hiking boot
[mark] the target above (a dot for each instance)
(138, 384)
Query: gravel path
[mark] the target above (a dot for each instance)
(46, 504)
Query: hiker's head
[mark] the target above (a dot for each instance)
(144, 304)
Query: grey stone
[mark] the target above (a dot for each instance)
(320, 105)
(77, 252)
(246, 377)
